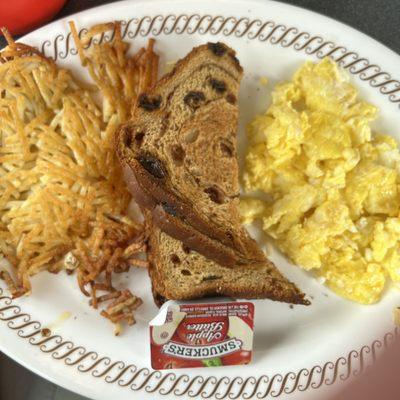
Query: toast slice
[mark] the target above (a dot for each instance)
(179, 273)
(179, 155)
(179, 159)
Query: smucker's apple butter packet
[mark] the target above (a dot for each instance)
(202, 334)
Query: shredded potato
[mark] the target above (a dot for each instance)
(62, 189)
(119, 78)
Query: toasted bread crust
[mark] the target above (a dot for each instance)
(236, 293)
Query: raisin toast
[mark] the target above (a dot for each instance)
(179, 159)
(178, 154)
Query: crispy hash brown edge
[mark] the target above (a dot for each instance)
(104, 241)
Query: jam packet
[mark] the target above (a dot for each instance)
(202, 334)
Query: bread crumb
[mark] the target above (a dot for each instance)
(264, 81)
(396, 316)
(46, 332)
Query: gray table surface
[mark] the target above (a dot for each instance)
(377, 18)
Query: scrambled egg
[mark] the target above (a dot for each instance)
(332, 185)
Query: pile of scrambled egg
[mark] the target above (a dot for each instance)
(331, 186)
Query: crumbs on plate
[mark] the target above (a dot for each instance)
(332, 184)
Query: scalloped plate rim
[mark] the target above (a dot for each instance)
(392, 57)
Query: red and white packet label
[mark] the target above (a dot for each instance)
(202, 334)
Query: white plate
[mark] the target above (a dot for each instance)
(298, 351)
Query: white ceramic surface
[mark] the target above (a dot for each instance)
(299, 351)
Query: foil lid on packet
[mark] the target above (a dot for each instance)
(202, 334)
